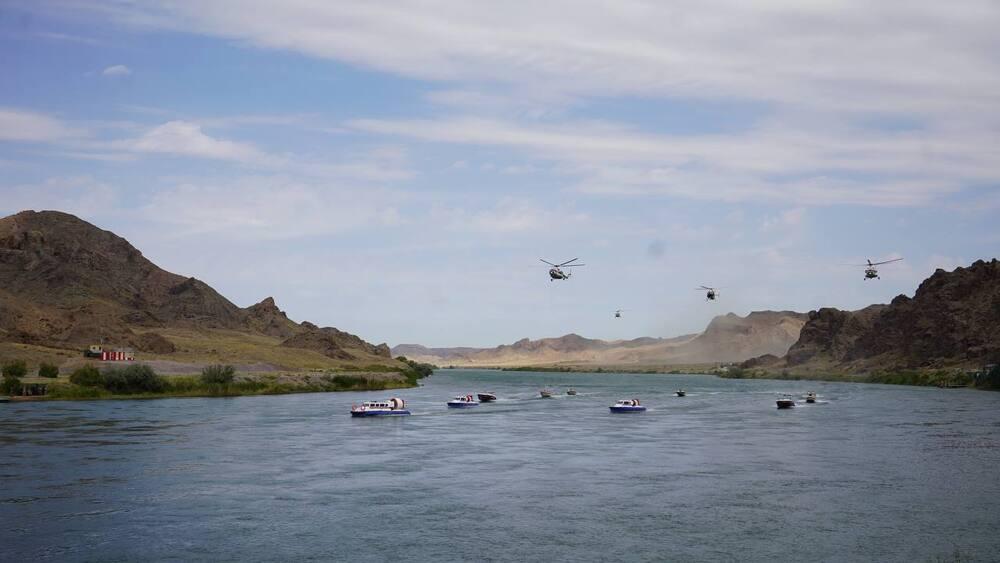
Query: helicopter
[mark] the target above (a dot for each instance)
(556, 273)
(618, 313)
(712, 292)
(871, 272)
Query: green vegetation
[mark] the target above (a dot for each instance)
(136, 378)
(416, 370)
(12, 371)
(15, 368)
(10, 385)
(990, 379)
(48, 370)
(87, 376)
(218, 375)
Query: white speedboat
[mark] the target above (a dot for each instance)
(627, 405)
(463, 402)
(392, 407)
(810, 397)
(545, 393)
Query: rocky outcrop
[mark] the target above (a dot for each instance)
(153, 343)
(267, 318)
(953, 319)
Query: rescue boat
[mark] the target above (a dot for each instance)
(462, 402)
(392, 407)
(627, 405)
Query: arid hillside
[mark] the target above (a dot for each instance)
(728, 338)
(67, 284)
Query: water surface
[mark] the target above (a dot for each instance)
(877, 473)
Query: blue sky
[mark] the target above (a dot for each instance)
(397, 169)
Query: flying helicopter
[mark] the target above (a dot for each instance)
(556, 273)
(711, 292)
(871, 272)
(618, 313)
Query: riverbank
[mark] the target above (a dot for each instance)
(944, 378)
(61, 389)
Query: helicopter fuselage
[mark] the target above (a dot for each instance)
(557, 274)
(871, 273)
(710, 296)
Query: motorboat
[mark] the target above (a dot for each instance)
(486, 397)
(571, 392)
(462, 402)
(545, 393)
(627, 405)
(681, 393)
(392, 407)
(785, 402)
(4, 399)
(810, 397)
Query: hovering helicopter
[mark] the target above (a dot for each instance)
(711, 292)
(618, 313)
(556, 273)
(871, 272)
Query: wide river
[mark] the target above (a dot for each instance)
(870, 473)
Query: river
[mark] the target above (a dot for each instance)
(870, 473)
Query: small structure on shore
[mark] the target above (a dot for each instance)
(98, 352)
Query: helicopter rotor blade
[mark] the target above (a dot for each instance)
(568, 261)
(885, 262)
(549, 263)
(571, 265)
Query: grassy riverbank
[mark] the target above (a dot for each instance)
(139, 381)
(947, 378)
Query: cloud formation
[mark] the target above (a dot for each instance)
(117, 70)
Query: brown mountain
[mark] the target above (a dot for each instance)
(728, 338)
(67, 284)
(953, 319)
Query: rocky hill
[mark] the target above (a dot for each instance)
(728, 338)
(953, 319)
(67, 284)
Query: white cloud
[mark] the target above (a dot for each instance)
(117, 70)
(270, 208)
(187, 139)
(934, 56)
(28, 126)
(771, 163)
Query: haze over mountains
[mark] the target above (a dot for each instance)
(728, 338)
(68, 284)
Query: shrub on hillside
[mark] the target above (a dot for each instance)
(87, 376)
(137, 378)
(15, 368)
(218, 375)
(48, 370)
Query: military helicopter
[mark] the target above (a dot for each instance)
(618, 313)
(711, 292)
(871, 272)
(556, 273)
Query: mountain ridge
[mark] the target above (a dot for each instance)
(68, 284)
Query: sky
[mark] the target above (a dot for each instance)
(396, 169)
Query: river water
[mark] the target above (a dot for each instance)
(870, 473)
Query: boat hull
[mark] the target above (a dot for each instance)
(681, 394)
(627, 408)
(365, 414)
(810, 400)
(462, 405)
(486, 397)
(786, 404)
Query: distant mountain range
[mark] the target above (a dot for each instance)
(728, 338)
(66, 284)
